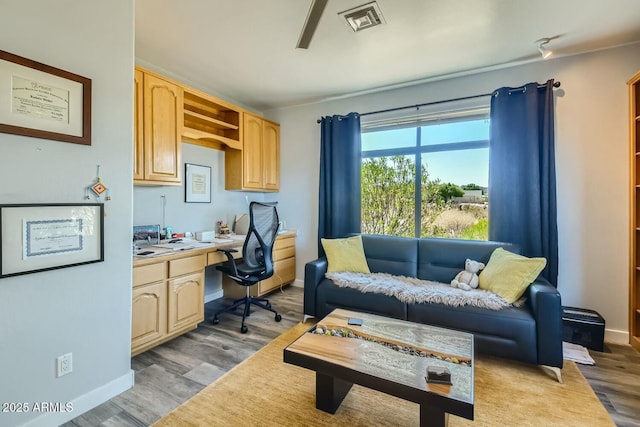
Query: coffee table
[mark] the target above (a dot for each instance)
(390, 356)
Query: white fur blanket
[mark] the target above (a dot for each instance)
(411, 290)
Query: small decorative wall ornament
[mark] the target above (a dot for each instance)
(97, 189)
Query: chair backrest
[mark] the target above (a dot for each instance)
(263, 228)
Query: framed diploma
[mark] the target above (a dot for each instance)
(43, 101)
(197, 184)
(38, 237)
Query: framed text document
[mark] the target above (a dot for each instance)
(41, 237)
(42, 101)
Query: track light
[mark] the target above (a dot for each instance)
(546, 53)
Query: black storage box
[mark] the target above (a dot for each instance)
(583, 327)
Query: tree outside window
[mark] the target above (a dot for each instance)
(401, 171)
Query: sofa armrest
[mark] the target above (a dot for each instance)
(546, 306)
(313, 274)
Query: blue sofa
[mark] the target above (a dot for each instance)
(531, 333)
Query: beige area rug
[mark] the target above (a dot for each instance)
(264, 391)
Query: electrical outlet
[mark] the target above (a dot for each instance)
(64, 364)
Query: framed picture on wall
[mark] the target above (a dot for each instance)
(42, 101)
(42, 237)
(197, 183)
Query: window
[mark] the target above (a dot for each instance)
(428, 178)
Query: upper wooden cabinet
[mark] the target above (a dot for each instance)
(271, 155)
(138, 133)
(257, 166)
(158, 123)
(168, 113)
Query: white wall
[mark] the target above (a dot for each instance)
(181, 216)
(85, 310)
(592, 167)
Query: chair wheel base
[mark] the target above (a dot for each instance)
(278, 318)
(244, 329)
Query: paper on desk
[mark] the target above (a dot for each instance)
(577, 353)
(237, 237)
(175, 246)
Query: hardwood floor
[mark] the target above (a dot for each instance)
(171, 373)
(615, 378)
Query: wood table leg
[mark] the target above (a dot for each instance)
(330, 392)
(432, 417)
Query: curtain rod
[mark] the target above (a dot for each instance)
(464, 98)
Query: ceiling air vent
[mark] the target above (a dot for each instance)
(363, 17)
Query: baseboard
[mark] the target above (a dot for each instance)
(86, 402)
(213, 296)
(298, 283)
(614, 336)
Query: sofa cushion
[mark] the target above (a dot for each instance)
(441, 259)
(345, 255)
(390, 254)
(510, 332)
(509, 275)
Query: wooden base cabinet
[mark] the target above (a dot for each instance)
(168, 300)
(149, 314)
(634, 262)
(186, 301)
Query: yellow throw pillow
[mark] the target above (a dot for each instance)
(508, 274)
(345, 255)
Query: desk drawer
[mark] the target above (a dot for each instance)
(215, 258)
(284, 242)
(218, 257)
(285, 272)
(192, 264)
(148, 274)
(283, 253)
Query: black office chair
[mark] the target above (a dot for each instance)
(257, 260)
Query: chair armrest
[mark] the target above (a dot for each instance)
(546, 306)
(232, 261)
(313, 274)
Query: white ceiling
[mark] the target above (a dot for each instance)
(245, 49)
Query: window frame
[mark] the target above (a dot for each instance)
(418, 149)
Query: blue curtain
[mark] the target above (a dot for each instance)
(340, 157)
(522, 176)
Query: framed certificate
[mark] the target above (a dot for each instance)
(197, 183)
(43, 101)
(39, 237)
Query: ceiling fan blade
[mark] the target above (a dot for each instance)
(310, 25)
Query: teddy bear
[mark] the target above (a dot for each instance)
(468, 279)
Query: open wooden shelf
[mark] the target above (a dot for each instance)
(634, 243)
(210, 121)
(192, 135)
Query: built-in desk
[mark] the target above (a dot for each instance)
(168, 288)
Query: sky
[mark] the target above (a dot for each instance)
(459, 166)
